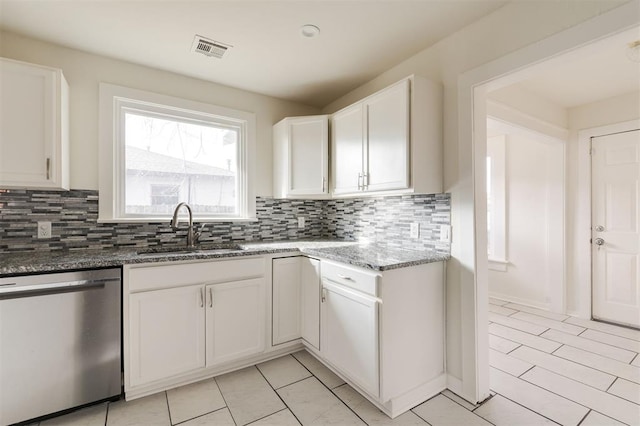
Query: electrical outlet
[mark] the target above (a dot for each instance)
(300, 222)
(44, 229)
(415, 230)
(445, 233)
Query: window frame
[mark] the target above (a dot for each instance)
(497, 233)
(115, 101)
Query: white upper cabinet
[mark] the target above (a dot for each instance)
(300, 162)
(387, 148)
(347, 157)
(34, 126)
(390, 141)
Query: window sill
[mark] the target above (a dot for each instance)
(499, 265)
(167, 219)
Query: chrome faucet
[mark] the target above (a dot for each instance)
(192, 237)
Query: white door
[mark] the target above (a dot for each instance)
(166, 333)
(347, 128)
(387, 148)
(235, 320)
(615, 227)
(350, 334)
(310, 301)
(286, 299)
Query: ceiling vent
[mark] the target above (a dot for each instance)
(209, 47)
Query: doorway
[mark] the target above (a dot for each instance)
(473, 87)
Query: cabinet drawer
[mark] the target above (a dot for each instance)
(177, 275)
(357, 279)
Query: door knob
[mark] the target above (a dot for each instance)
(599, 228)
(599, 241)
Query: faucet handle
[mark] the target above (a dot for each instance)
(198, 233)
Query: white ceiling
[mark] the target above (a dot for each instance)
(594, 72)
(358, 39)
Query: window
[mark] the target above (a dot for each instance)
(163, 195)
(157, 151)
(496, 198)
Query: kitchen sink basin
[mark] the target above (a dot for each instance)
(202, 248)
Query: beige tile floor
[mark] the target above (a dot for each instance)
(545, 369)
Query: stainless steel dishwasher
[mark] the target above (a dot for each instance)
(60, 342)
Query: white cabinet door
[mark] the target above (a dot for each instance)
(387, 148)
(350, 335)
(310, 301)
(286, 299)
(33, 126)
(347, 128)
(166, 332)
(301, 157)
(308, 155)
(235, 320)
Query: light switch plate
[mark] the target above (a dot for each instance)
(415, 230)
(44, 229)
(300, 222)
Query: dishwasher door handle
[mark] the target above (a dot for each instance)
(10, 292)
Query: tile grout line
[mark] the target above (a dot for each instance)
(202, 415)
(525, 407)
(226, 405)
(569, 399)
(166, 398)
(563, 344)
(570, 360)
(281, 387)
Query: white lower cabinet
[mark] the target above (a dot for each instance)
(310, 301)
(350, 334)
(296, 300)
(383, 332)
(286, 314)
(167, 333)
(213, 317)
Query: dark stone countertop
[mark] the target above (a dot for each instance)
(371, 256)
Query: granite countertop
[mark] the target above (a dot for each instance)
(371, 256)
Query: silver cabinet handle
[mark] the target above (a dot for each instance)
(599, 241)
(210, 297)
(324, 184)
(360, 180)
(48, 168)
(365, 181)
(201, 297)
(345, 277)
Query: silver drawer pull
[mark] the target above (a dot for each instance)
(202, 297)
(345, 277)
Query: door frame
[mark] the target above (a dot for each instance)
(468, 201)
(584, 247)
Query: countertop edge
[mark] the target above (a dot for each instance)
(87, 259)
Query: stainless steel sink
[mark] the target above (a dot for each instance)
(202, 248)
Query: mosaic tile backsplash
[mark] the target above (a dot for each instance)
(73, 216)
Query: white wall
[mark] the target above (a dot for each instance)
(510, 28)
(614, 110)
(84, 71)
(529, 185)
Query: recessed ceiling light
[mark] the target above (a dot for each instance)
(309, 30)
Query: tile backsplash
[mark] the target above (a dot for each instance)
(73, 215)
